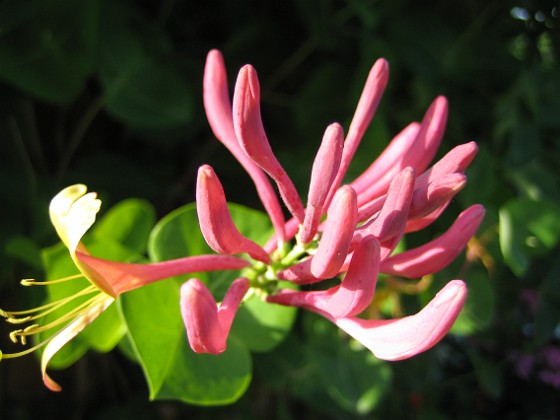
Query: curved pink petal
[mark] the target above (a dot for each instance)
(358, 286)
(428, 198)
(207, 325)
(398, 339)
(455, 161)
(438, 253)
(417, 156)
(215, 220)
(337, 234)
(219, 113)
(248, 126)
(389, 159)
(349, 298)
(325, 167)
(389, 225)
(367, 105)
(123, 277)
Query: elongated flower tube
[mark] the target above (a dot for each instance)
(73, 212)
(215, 221)
(250, 132)
(323, 173)
(207, 324)
(218, 110)
(349, 233)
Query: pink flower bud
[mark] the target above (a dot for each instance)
(389, 225)
(218, 111)
(252, 138)
(367, 105)
(397, 339)
(349, 298)
(207, 324)
(324, 170)
(215, 220)
(417, 156)
(438, 253)
(428, 198)
(337, 235)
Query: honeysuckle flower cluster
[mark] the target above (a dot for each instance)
(346, 232)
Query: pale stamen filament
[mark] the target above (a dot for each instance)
(33, 282)
(36, 329)
(40, 311)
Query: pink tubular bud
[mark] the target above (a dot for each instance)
(349, 298)
(207, 325)
(438, 253)
(389, 225)
(389, 161)
(337, 235)
(219, 113)
(369, 100)
(252, 138)
(455, 161)
(215, 220)
(398, 339)
(428, 198)
(324, 170)
(418, 155)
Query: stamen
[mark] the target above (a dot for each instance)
(33, 282)
(47, 308)
(38, 329)
(24, 352)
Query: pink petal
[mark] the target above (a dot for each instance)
(367, 105)
(207, 326)
(349, 298)
(215, 220)
(337, 235)
(358, 286)
(123, 277)
(428, 198)
(389, 160)
(438, 253)
(250, 132)
(219, 113)
(389, 225)
(455, 161)
(398, 339)
(324, 170)
(417, 156)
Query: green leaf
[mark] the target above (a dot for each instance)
(261, 326)
(48, 47)
(143, 89)
(478, 312)
(347, 372)
(172, 370)
(528, 228)
(128, 223)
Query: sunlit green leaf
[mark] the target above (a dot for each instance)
(128, 223)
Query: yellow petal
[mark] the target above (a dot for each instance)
(72, 213)
(68, 333)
